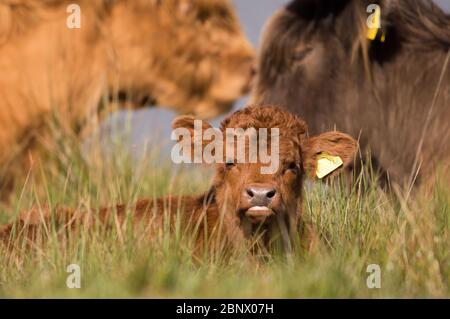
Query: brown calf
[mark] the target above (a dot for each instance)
(242, 201)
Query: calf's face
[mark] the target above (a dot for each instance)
(258, 197)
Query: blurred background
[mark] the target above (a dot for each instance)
(142, 127)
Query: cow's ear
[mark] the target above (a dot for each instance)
(327, 153)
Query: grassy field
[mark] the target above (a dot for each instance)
(408, 237)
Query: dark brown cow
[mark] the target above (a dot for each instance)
(392, 91)
(242, 201)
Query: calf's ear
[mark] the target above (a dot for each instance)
(192, 136)
(187, 125)
(327, 153)
(189, 122)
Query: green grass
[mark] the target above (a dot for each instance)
(408, 239)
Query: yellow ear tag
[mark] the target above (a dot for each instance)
(372, 32)
(327, 164)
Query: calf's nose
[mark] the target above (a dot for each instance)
(260, 196)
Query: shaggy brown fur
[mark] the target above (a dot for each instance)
(315, 60)
(228, 204)
(187, 55)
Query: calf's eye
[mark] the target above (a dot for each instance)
(292, 168)
(229, 164)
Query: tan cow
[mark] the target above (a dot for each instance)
(187, 55)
